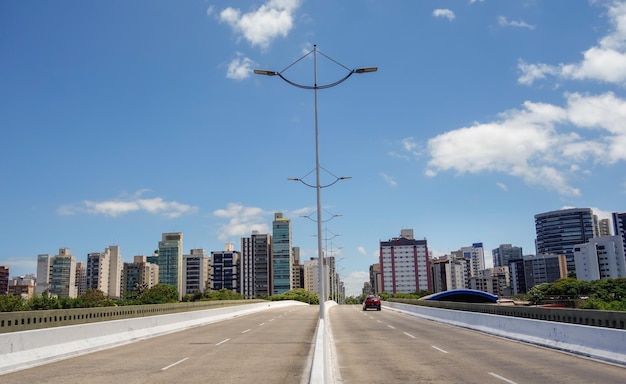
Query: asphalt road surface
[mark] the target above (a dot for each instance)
(391, 347)
(273, 346)
(276, 346)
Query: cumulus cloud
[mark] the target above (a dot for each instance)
(118, 207)
(239, 68)
(541, 143)
(604, 62)
(242, 221)
(504, 22)
(362, 251)
(445, 13)
(259, 27)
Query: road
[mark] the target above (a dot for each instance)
(273, 346)
(391, 347)
(276, 346)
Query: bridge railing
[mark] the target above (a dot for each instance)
(590, 317)
(31, 320)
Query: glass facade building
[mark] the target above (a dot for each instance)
(559, 231)
(281, 254)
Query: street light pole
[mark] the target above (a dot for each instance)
(318, 186)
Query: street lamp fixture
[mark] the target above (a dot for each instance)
(318, 186)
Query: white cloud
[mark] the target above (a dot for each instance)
(210, 10)
(502, 186)
(242, 221)
(445, 13)
(239, 68)
(605, 62)
(271, 20)
(362, 250)
(354, 282)
(117, 207)
(541, 143)
(504, 22)
(390, 180)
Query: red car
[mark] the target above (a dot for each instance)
(371, 301)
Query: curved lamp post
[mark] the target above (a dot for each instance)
(315, 87)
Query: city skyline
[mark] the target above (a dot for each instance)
(124, 121)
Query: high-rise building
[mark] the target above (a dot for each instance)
(517, 276)
(81, 278)
(170, 261)
(139, 276)
(375, 279)
(311, 275)
(404, 264)
(115, 271)
(493, 280)
(98, 271)
(43, 273)
(4, 279)
(558, 232)
(282, 259)
(600, 258)
(59, 279)
(225, 269)
(604, 227)
(504, 253)
(544, 268)
(297, 280)
(196, 276)
(256, 266)
(104, 271)
(476, 255)
(451, 272)
(619, 226)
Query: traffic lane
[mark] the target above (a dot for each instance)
(272, 346)
(511, 360)
(399, 347)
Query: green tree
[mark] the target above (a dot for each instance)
(298, 294)
(12, 303)
(159, 294)
(45, 301)
(222, 294)
(94, 298)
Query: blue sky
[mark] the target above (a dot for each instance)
(123, 120)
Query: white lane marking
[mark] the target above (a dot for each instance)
(262, 324)
(439, 349)
(223, 341)
(246, 331)
(272, 319)
(409, 335)
(502, 378)
(391, 326)
(171, 365)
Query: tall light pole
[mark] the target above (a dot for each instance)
(318, 186)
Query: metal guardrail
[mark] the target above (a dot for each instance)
(30, 320)
(590, 317)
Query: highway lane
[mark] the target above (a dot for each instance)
(273, 346)
(391, 347)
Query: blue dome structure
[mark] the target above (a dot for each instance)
(463, 296)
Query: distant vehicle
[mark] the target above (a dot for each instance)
(371, 301)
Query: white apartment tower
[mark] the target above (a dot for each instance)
(196, 273)
(600, 258)
(104, 271)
